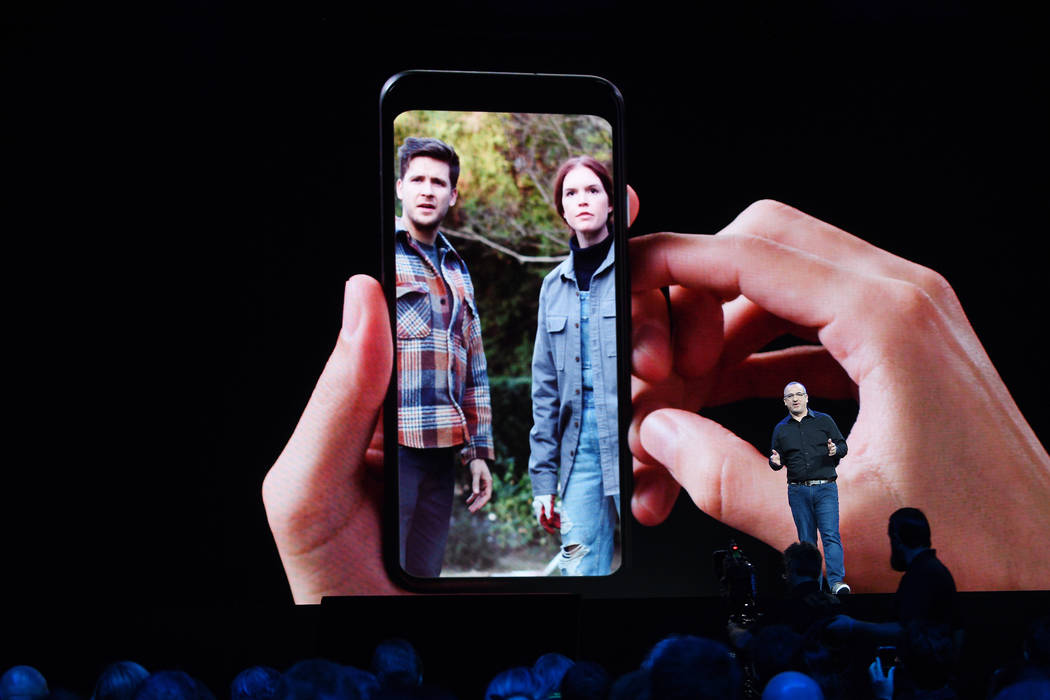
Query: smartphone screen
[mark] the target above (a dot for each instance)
(504, 263)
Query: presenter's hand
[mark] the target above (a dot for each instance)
(480, 485)
(323, 494)
(775, 458)
(832, 449)
(891, 334)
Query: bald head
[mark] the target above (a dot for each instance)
(796, 400)
(23, 683)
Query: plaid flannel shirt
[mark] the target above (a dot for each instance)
(443, 385)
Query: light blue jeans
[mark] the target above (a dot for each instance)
(588, 516)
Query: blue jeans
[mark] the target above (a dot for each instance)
(588, 519)
(588, 516)
(816, 509)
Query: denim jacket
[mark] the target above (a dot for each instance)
(557, 378)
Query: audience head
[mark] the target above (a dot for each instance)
(169, 685)
(792, 685)
(23, 683)
(549, 670)
(775, 649)
(909, 532)
(684, 666)
(631, 686)
(396, 665)
(362, 682)
(255, 683)
(585, 680)
(1037, 642)
(802, 562)
(119, 681)
(517, 683)
(316, 678)
(1025, 690)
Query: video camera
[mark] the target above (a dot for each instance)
(737, 583)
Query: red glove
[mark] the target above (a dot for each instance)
(548, 518)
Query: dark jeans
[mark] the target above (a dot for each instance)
(426, 481)
(816, 508)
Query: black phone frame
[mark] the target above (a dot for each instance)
(505, 92)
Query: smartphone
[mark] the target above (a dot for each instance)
(888, 657)
(504, 263)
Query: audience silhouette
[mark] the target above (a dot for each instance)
(797, 646)
(23, 683)
(120, 680)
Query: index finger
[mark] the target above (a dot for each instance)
(856, 314)
(478, 500)
(778, 278)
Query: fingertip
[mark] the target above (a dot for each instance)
(651, 350)
(658, 435)
(363, 303)
(632, 205)
(651, 353)
(699, 329)
(655, 493)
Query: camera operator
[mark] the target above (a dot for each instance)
(776, 640)
(803, 604)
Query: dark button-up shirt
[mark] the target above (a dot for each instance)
(927, 591)
(803, 446)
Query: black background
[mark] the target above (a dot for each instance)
(190, 185)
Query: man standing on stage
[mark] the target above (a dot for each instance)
(810, 445)
(444, 410)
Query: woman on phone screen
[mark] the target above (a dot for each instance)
(574, 440)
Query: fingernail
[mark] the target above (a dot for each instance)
(351, 312)
(659, 434)
(648, 334)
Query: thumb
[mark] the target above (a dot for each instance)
(726, 477)
(317, 476)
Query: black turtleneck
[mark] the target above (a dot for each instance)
(586, 260)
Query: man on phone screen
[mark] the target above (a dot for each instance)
(810, 445)
(444, 411)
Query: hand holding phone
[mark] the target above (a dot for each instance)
(881, 672)
(323, 494)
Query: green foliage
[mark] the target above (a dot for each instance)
(507, 168)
